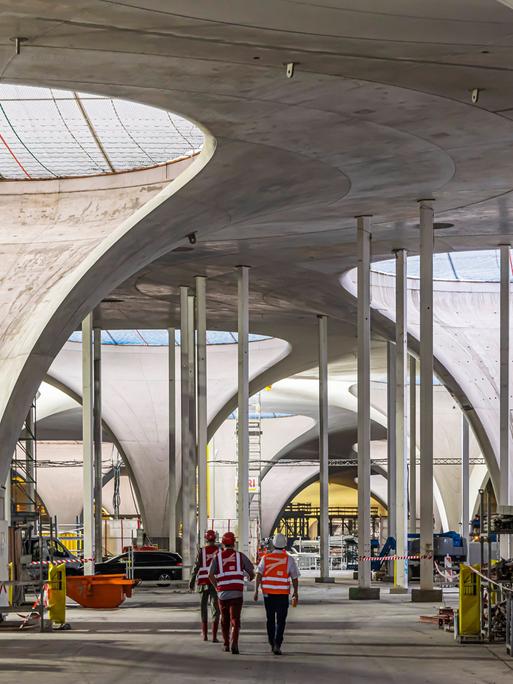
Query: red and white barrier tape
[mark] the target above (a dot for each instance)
(63, 560)
(448, 575)
(390, 558)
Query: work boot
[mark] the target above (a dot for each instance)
(235, 649)
(215, 627)
(226, 648)
(204, 630)
(277, 650)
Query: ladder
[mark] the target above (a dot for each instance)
(255, 464)
(24, 501)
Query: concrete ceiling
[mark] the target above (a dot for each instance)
(377, 115)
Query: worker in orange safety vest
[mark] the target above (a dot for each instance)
(200, 577)
(275, 573)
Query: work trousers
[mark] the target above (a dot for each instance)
(276, 609)
(230, 617)
(209, 595)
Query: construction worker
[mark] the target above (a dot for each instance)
(227, 575)
(275, 573)
(475, 525)
(200, 577)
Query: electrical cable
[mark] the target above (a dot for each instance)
(180, 132)
(129, 134)
(15, 157)
(98, 166)
(22, 143)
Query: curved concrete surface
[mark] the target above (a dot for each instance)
(369, 123)
(135, 405)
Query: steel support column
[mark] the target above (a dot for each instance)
(201, 363)
(185, 430)
(413, 446)
(172, 460)
(97, 440)
(426, 591)
(391, 439)
(401, 420)
(363, 590)
(243, 409)
(465, 477)
(504, 397)
(88, 444)
(324, 531)
(192, 474)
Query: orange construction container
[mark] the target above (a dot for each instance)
(99, 591)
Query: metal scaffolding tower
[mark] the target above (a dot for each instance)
(24, 504)
(255, 463)
(255, 469)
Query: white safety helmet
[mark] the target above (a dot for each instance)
(279, 541)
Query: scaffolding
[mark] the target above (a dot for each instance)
(254, 470)
(25, 506)
(297, 519)
(255, 464)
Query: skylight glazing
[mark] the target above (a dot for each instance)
(50, 133)
(159, 338)
(479, 266)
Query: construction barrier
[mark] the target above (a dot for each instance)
(57, 593)
(469, 615)
(62, 561)
(391, 558)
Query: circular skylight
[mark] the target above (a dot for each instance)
(49, 133)
(159, 338)
(481, 266)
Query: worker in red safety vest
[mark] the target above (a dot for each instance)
(200, 578)
(275, 573)
(227, 575)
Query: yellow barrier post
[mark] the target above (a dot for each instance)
(57, 593)
(10, 591)
(469, 619)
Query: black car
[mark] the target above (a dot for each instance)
(152, 566)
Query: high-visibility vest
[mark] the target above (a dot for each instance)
(230, 576)
(275, 578)
(207, 556)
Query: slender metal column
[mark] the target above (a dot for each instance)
(391, 439)
(426, 395)
(87, 443)
(364, 422)
(324, 531)
(191, 347)
(201, 322)
(30, 464)
(465, 477)
(401, 417)
(97, 434)
(185, 430)
(413, 445)
(504, 397)
(8, 498)
(172, 460)
(243, 409)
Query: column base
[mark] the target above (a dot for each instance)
(426, 595)
(325, 580)
(398, 590)
(364, 593)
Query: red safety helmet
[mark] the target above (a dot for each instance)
(228, 539)
(210, 536)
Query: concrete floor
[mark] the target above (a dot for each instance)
(154, 639)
